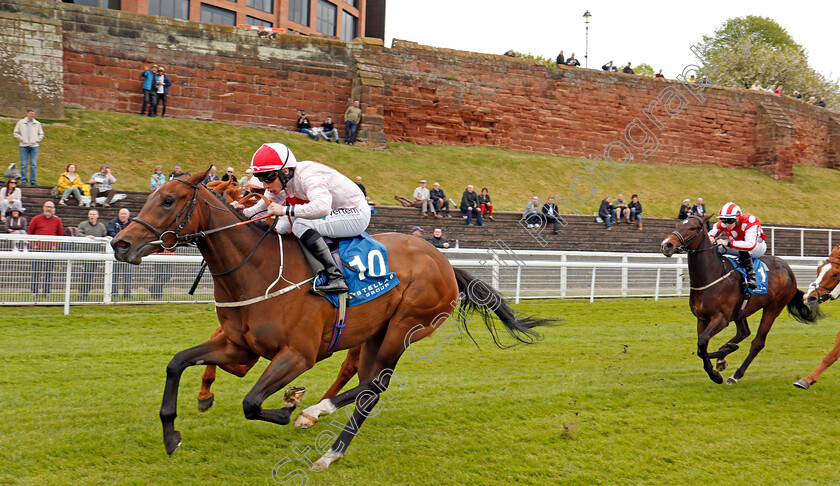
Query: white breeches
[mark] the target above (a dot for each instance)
(340, 223)
(756, 252)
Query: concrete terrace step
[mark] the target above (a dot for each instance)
(580, 233)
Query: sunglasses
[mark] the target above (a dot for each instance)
(267, 177)
(727, 221)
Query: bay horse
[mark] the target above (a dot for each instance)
(716, 296)
(290, 327)
(828, 276)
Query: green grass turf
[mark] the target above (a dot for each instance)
(133, 145)
(615, 395)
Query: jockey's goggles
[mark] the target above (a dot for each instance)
(727, 220)
(266, 177)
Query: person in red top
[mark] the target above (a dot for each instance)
(739, 234)
(47, 224)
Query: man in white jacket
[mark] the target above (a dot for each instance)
(29, 132)
(319, 200)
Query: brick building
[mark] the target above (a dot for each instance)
(345, 19)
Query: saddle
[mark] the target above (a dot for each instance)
(760, 274)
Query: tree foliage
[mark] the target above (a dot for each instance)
(644, 69)
(751, 48)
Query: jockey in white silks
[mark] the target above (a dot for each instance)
(319, 200)
(739, 234)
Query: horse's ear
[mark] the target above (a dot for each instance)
(199, 178)
(836, 250)
(707, 217)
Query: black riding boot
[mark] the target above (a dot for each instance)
(745, 260)
(335, 283)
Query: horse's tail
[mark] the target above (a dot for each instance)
(476, 296)
(800, 311)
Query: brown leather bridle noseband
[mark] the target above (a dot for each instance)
(683, 248)
(817, 286)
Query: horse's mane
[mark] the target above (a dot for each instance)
(227, 192)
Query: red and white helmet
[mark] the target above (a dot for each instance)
(272, 156)
(729, 210)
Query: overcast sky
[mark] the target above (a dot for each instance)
(659, 33)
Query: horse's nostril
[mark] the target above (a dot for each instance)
(123, 244)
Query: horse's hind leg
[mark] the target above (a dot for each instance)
(767, 318)
(829, 360)
(743, 332)
(348, 369)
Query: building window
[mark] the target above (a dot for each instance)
(327, 13)
(257, 22)
(264, 5)
(349, 27)
(176, 9)
(354, 3)
(216, 15)
(112, 4)
(299, 12)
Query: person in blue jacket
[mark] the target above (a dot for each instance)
(148, 77)
(162, 84)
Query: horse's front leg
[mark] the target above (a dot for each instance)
(217, 351)
(743, 332)
(705, 332)
(205, 396)
(829, 360)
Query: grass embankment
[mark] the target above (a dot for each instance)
(132, 145)
(615, 396)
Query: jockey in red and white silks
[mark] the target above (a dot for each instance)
(739, 234)
(319, 200)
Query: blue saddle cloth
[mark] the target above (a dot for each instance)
(760, 274)
(364, 262)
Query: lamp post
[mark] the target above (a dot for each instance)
(586, 17)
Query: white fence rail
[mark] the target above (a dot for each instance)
(772, 231)
(75, 271)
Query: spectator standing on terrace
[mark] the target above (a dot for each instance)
(162, 84)
(628, 70)
(756, 86)
(211, 176)
(10, 197)
(779, 90)
(486, 204)
(550, 213)
(510, 53)
(811, 100)
(69, 184)
(439, 200)
(704, 80)
(158, 179)
(659, 74)
(122, 271)
(531, 216)
(352, 118)
(609, 67)
(328, 131)
(605, 211)
(102, 184)
(571, 61)
(29, 133)
(796, 95)
(422, 199)
(303, 124)
(229, 175)
(685, 209)
(148, 76)
(92, 228)
(635, 208)
(821, 102)
(44, 224)
(438, 240)
(177, 172)
(469, 206)
(561, 59)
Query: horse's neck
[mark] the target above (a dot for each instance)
(704, 266)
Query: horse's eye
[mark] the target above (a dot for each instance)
(836, 275)
(168, 201)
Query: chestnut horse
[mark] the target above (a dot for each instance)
(716, 296)
(234, 192)
(828, 276)
(290, 327)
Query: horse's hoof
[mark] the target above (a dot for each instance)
(802, 383)
(720, 365)
(716, 377)
(204, 405)
(305, 421)
(172, 443)
(293, 396)
(731, 381)
(324, 462)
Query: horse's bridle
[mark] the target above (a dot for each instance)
(831, 293)
(188, 208)
(684, 243)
